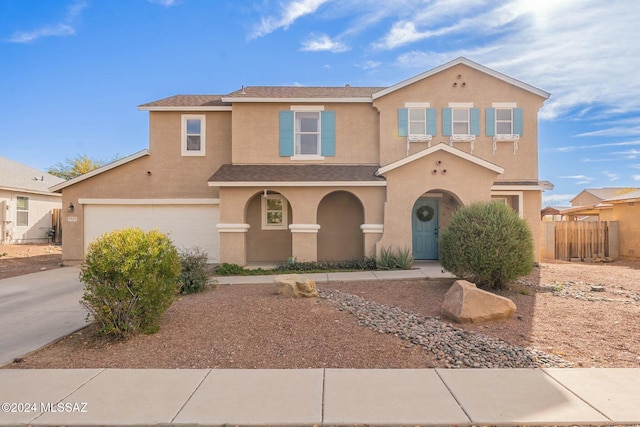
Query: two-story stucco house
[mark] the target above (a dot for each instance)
(320, 173)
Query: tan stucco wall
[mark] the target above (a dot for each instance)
(164, 174)
(256, 133)
(585, 199)
(480, 89)
(469, 182)
(629, 227)
(531, 206)
(340, 215)
(266, 245)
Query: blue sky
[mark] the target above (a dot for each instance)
(72, 73)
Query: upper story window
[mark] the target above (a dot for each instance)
(460, 121)
(504, 121)
(193, 134)
(417, 121)
(307, 132)
(22, 211)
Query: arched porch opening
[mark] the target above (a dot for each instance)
(268, 238)
(340, 215)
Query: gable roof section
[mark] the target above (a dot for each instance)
(631, 196)
(295, 175)
(188, 103)
(440, 147)
(604, 193)
(16, 176)
(470, 64)
(112, 165)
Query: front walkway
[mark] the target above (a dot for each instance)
(308, 397)
(420, 270)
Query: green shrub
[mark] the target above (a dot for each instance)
(488, 244)
(398, 259)
(194, 271)
(226, 269)
(131, 278)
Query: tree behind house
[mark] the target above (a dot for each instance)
(77, 166)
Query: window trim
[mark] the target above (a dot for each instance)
(264, 211)
(203, 135)
(18, 211)
(454, 121)
(296, 146)
(510, 121)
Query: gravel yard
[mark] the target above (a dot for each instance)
(569, 314)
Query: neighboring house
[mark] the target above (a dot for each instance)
(320, 173)
(26, 204)
(587, 204)
(612, 204)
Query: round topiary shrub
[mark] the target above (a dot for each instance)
(488, 244)
(131, 278)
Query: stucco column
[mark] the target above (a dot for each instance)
(233, 243)
(304, 242)
(372, 234)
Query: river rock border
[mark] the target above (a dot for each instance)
(455, 347)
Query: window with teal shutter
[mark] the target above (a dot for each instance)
(328, 136)
(474, 121)
(286, 133)
(490, 121)
(403, 122)
(517, 121)
(446, 122)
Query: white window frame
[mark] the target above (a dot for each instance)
(518, 194)
(297, 133)
(423, 120)
(19, 211)
(454, 121)
(265, 211)
(203, 134)
(498, 121)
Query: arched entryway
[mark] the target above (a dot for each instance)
(268, 237)
(340, 215)
(430, 213)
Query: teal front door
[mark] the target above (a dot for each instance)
(424, 220)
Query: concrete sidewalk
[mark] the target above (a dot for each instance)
(276, 397)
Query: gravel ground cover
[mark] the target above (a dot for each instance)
(569, 314)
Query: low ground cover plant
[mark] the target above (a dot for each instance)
(131, 278)
(488, 244)
(395, 259)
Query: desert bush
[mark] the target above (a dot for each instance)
(227, 269)
(488, 244)
(194, 272)
(131, 278)
(395, 259)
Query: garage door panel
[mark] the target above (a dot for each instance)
(187, 225)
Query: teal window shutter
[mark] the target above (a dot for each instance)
(446, 122)
(286, 133)
(490, 121)
(403, 122)
(474, 118)
(328, 135)
(517, 121)
(431, 121)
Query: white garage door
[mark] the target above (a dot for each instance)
(188, 226)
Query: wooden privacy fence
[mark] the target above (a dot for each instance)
(570, 240)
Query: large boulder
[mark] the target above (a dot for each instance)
(294, 285)
(466, 303)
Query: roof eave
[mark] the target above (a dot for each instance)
(185, 108)
(364, 99)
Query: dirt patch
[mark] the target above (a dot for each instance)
(249, 326)
(16, 260)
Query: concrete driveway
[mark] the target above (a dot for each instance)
(38, 308)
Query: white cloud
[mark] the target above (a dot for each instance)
(556, 199)
(369, 65)
(322, 42)
(612, 176)
(290, 13)
(64, 28)
(636, 177)
(166, 3)
(579, 179)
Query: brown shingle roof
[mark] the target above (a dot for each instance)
(295, 173)
(188, 101)
(304, 92)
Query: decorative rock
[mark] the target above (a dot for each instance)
(597, 288)
(293, 285)
(465, 303)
